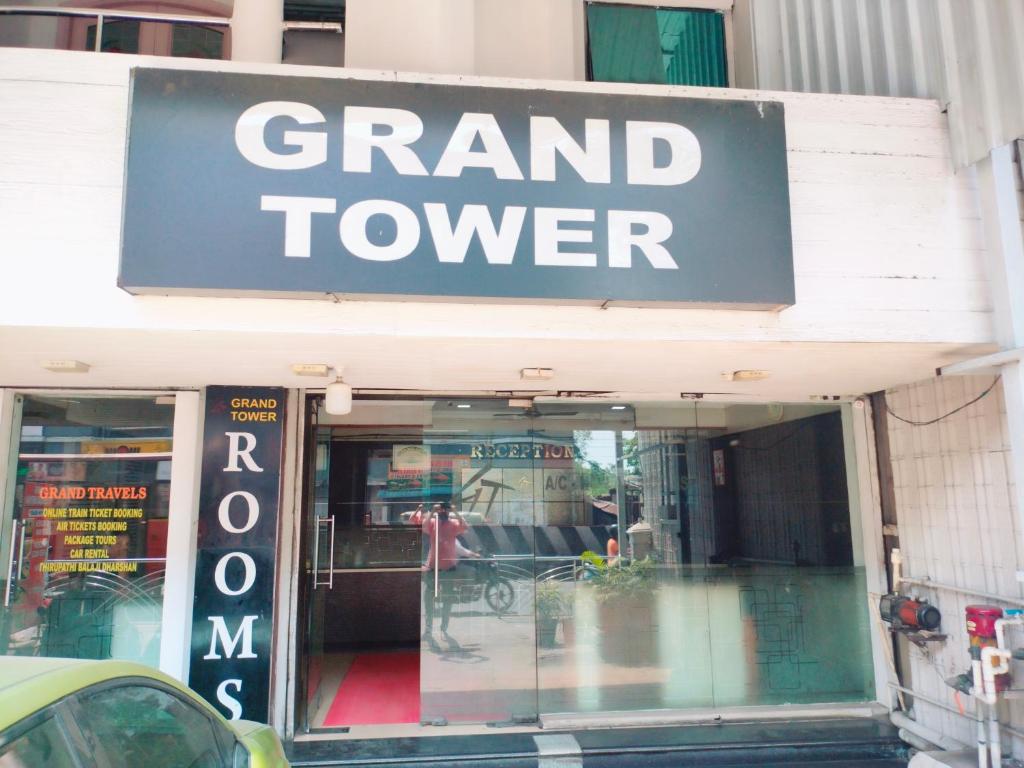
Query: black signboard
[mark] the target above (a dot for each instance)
(242, 184)
(232, 615)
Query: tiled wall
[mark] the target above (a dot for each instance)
(958, 523)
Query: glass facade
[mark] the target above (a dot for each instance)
(85, 530)
(499, 564)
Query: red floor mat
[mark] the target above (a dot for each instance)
(380, 688)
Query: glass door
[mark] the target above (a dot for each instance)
(478, 661)
(319, 534)
(84, 534)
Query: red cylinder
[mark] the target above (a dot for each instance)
(981, 628)
(981, 622)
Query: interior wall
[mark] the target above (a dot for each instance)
(958, 524)
(790, 492)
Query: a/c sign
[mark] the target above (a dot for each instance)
(366, 188)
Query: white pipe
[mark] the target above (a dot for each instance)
(916, 741)
(979, 690)
(900, 720)
(961, 591)
(995, 747)
(994, 662)
(918, 696)
(979, 712)
(1001, 624)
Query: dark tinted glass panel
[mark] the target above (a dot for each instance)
(197, 42)
(630, 44)
(140, 726)
(118, 37)
(45, 745)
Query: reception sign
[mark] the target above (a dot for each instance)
(232, 615)
(243, 184)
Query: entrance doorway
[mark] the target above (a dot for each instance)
(472, 562)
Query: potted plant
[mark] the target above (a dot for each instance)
(569, 619)
(550, 608)
(625, 608)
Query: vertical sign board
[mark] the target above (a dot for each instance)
(232, 616)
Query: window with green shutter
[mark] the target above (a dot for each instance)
(635, 44)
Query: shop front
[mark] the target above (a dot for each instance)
(607, 559)
(608, 455)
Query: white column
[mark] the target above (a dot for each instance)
(183, 515)
(288, 633)
(257, 30)
(1004, 246)
(862, 486)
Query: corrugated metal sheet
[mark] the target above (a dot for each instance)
(967, 53)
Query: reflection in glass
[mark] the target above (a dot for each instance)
(595, 557)
(87, 537)
(736, 582)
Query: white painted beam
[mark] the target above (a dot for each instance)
(984, 364)
(179, 578)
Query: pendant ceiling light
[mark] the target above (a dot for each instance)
(338, 400)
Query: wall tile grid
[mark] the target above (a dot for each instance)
(957, 524)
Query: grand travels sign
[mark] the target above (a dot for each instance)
(241, 184)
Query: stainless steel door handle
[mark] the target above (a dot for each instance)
(329, 582)
(11, 574)
(316, 555)
(330, 577)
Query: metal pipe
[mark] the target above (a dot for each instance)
(960, 590)
(916, 741)
(946, 708)
(995, 747)
(979, 713)
(98, 45)
(900, 720)
(1001, 625)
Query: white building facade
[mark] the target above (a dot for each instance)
(774, 449)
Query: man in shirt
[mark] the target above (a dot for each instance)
(441, 529)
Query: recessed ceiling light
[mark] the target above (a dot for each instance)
(463, 405)
(618, 407)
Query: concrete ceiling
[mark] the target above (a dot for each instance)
(647, 370)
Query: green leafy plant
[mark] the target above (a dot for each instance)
(623, 581)
(591, 558)
(551, 604)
